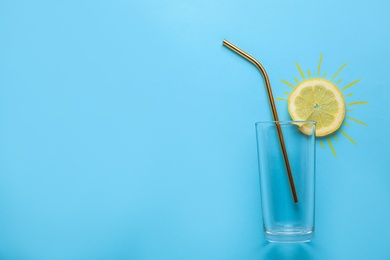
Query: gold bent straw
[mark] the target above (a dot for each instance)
(274, 112)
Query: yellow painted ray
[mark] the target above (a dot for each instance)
(286, 93)
(335, 138)
(358, 103)
(308, 73)
(331, 147)
(321, 144)
(337, 72)
(288, 83)
(296, 80)
(281, 99)
(300, 71)
(350, 84)
(345, 123)
(349, 95)
(319, 65)
(348, 137)
(349, 110)
(355, 120)
(338, 82)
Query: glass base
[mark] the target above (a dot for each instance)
(289, 236)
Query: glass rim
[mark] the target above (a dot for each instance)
(285, 122)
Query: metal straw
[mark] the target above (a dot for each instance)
(274, 112)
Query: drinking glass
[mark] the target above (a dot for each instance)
(284, 220)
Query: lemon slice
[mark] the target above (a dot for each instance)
(318, 100)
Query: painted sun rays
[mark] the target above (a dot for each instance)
(335, 79)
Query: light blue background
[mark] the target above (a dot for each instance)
(127, 129)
